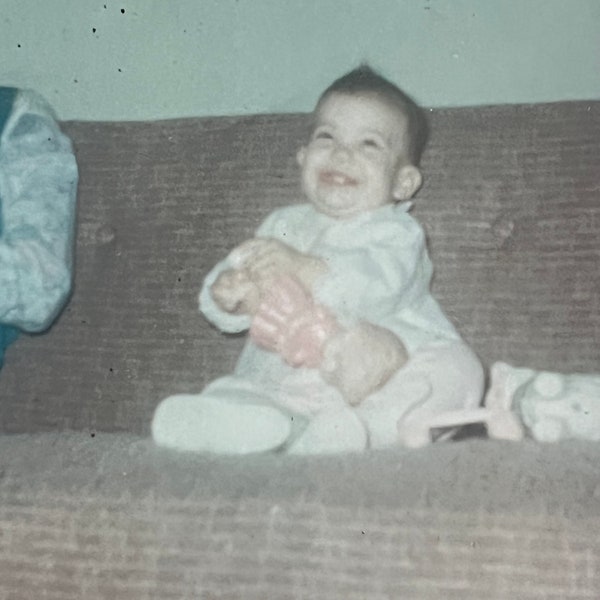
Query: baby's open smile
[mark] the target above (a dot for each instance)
(336, 178)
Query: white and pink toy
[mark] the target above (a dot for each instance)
(546, 406)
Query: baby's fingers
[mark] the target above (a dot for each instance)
(246, 252)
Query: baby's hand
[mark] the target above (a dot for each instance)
(290, 323)
(267, 259)
(235, 292)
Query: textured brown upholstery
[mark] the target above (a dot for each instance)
(90, 509)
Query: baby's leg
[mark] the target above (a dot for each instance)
(436, 379)
(328, 425)
(231, 416)
(334, 431)
(457, 382)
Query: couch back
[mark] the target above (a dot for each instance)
(511, 206)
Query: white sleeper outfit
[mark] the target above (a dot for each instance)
(378, 271)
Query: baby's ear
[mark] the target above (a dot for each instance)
(301, 155)
(408, 182)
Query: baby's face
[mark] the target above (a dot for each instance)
(355, 156)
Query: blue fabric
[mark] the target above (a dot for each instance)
(7, 336)
(7, 96)
(38, 183)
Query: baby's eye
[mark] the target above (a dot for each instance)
(323, 135)
(372, 143)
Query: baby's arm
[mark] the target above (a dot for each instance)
(219, 297)
(254, 264)
(257, 263)
(266, 259)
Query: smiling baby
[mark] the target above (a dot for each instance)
(348, 349)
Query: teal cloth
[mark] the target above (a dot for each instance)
(7, 95)
(38, 184)
(7, 336)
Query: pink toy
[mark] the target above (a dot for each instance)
(270, 281)
(289, 322)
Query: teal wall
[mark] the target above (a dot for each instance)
(145, 59)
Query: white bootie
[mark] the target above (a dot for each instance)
(201, 423)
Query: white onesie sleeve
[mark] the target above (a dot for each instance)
(287, 224)
(225, 321)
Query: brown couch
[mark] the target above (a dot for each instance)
(89, 508)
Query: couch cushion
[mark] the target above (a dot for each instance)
(112, 516)
(510, 205)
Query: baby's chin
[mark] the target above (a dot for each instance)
(338, 207)
(336, 211)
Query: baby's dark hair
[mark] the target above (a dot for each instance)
(364, 80)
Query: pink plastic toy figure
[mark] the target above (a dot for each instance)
(289, 322)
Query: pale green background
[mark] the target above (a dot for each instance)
(169, 58)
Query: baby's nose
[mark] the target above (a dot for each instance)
(342, 152)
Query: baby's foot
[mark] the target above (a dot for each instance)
(197, 423)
